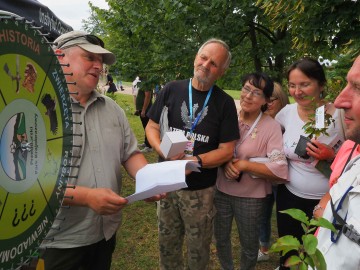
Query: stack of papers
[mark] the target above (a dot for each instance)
(161, 177)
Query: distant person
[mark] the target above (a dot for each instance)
(120, 86)
(102, 87)
(278, 100)
(110, 82)
(156, 90)
(143, 105)
(207, 116)
(134, 91)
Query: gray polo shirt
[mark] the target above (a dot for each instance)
(106, 142)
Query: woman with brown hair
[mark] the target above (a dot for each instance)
(306, 186)
(243, 183)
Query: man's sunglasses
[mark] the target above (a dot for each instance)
(90, 38)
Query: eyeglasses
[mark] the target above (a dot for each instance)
(255, 93)
(272, 99)
(301, 86)
(90, 38)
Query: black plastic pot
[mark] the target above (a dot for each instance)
(300, 149)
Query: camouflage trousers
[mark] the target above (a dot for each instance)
(186, 214)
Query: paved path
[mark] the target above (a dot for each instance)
(128, 91)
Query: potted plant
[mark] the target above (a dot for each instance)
(307, 252)
(312, 131)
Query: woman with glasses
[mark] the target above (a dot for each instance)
(306, 186)
(244, 182)
(278, 100)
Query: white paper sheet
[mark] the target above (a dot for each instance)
(320, 117)
(161, 177)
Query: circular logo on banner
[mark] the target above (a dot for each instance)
(35, 140)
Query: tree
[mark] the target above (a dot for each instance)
(327, 28)
(160, 38)
(320, 28)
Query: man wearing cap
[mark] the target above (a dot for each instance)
(84, 233)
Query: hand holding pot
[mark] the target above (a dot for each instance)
(319, 150)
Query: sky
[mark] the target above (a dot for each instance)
(73, 11)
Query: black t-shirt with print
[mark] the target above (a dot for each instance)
(217, 124)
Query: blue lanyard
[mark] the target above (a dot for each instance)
(335, 238)
(191, 107)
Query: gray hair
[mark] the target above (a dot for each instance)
(223, 44)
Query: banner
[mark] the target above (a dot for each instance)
(35, 140)
(40, 14)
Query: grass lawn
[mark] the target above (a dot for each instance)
(137, 238)
(235, 94)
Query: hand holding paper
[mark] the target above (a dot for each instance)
(160, 178)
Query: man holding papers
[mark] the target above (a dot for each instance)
(83, 235)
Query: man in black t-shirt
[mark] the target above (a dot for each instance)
(207, 116)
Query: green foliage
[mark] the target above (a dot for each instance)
(310, 128)
(159, 38)
(335, 85)
(337, 73)
(327, 28)
(307, 252)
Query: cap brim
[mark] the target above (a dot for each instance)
(108, 57)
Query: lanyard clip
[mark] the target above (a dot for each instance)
(350, 232)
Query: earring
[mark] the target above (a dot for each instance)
(321, 96)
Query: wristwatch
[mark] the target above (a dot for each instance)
(199, 160)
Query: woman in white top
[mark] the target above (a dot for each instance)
(306, 186)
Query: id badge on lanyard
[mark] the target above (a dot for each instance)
(189, 150)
